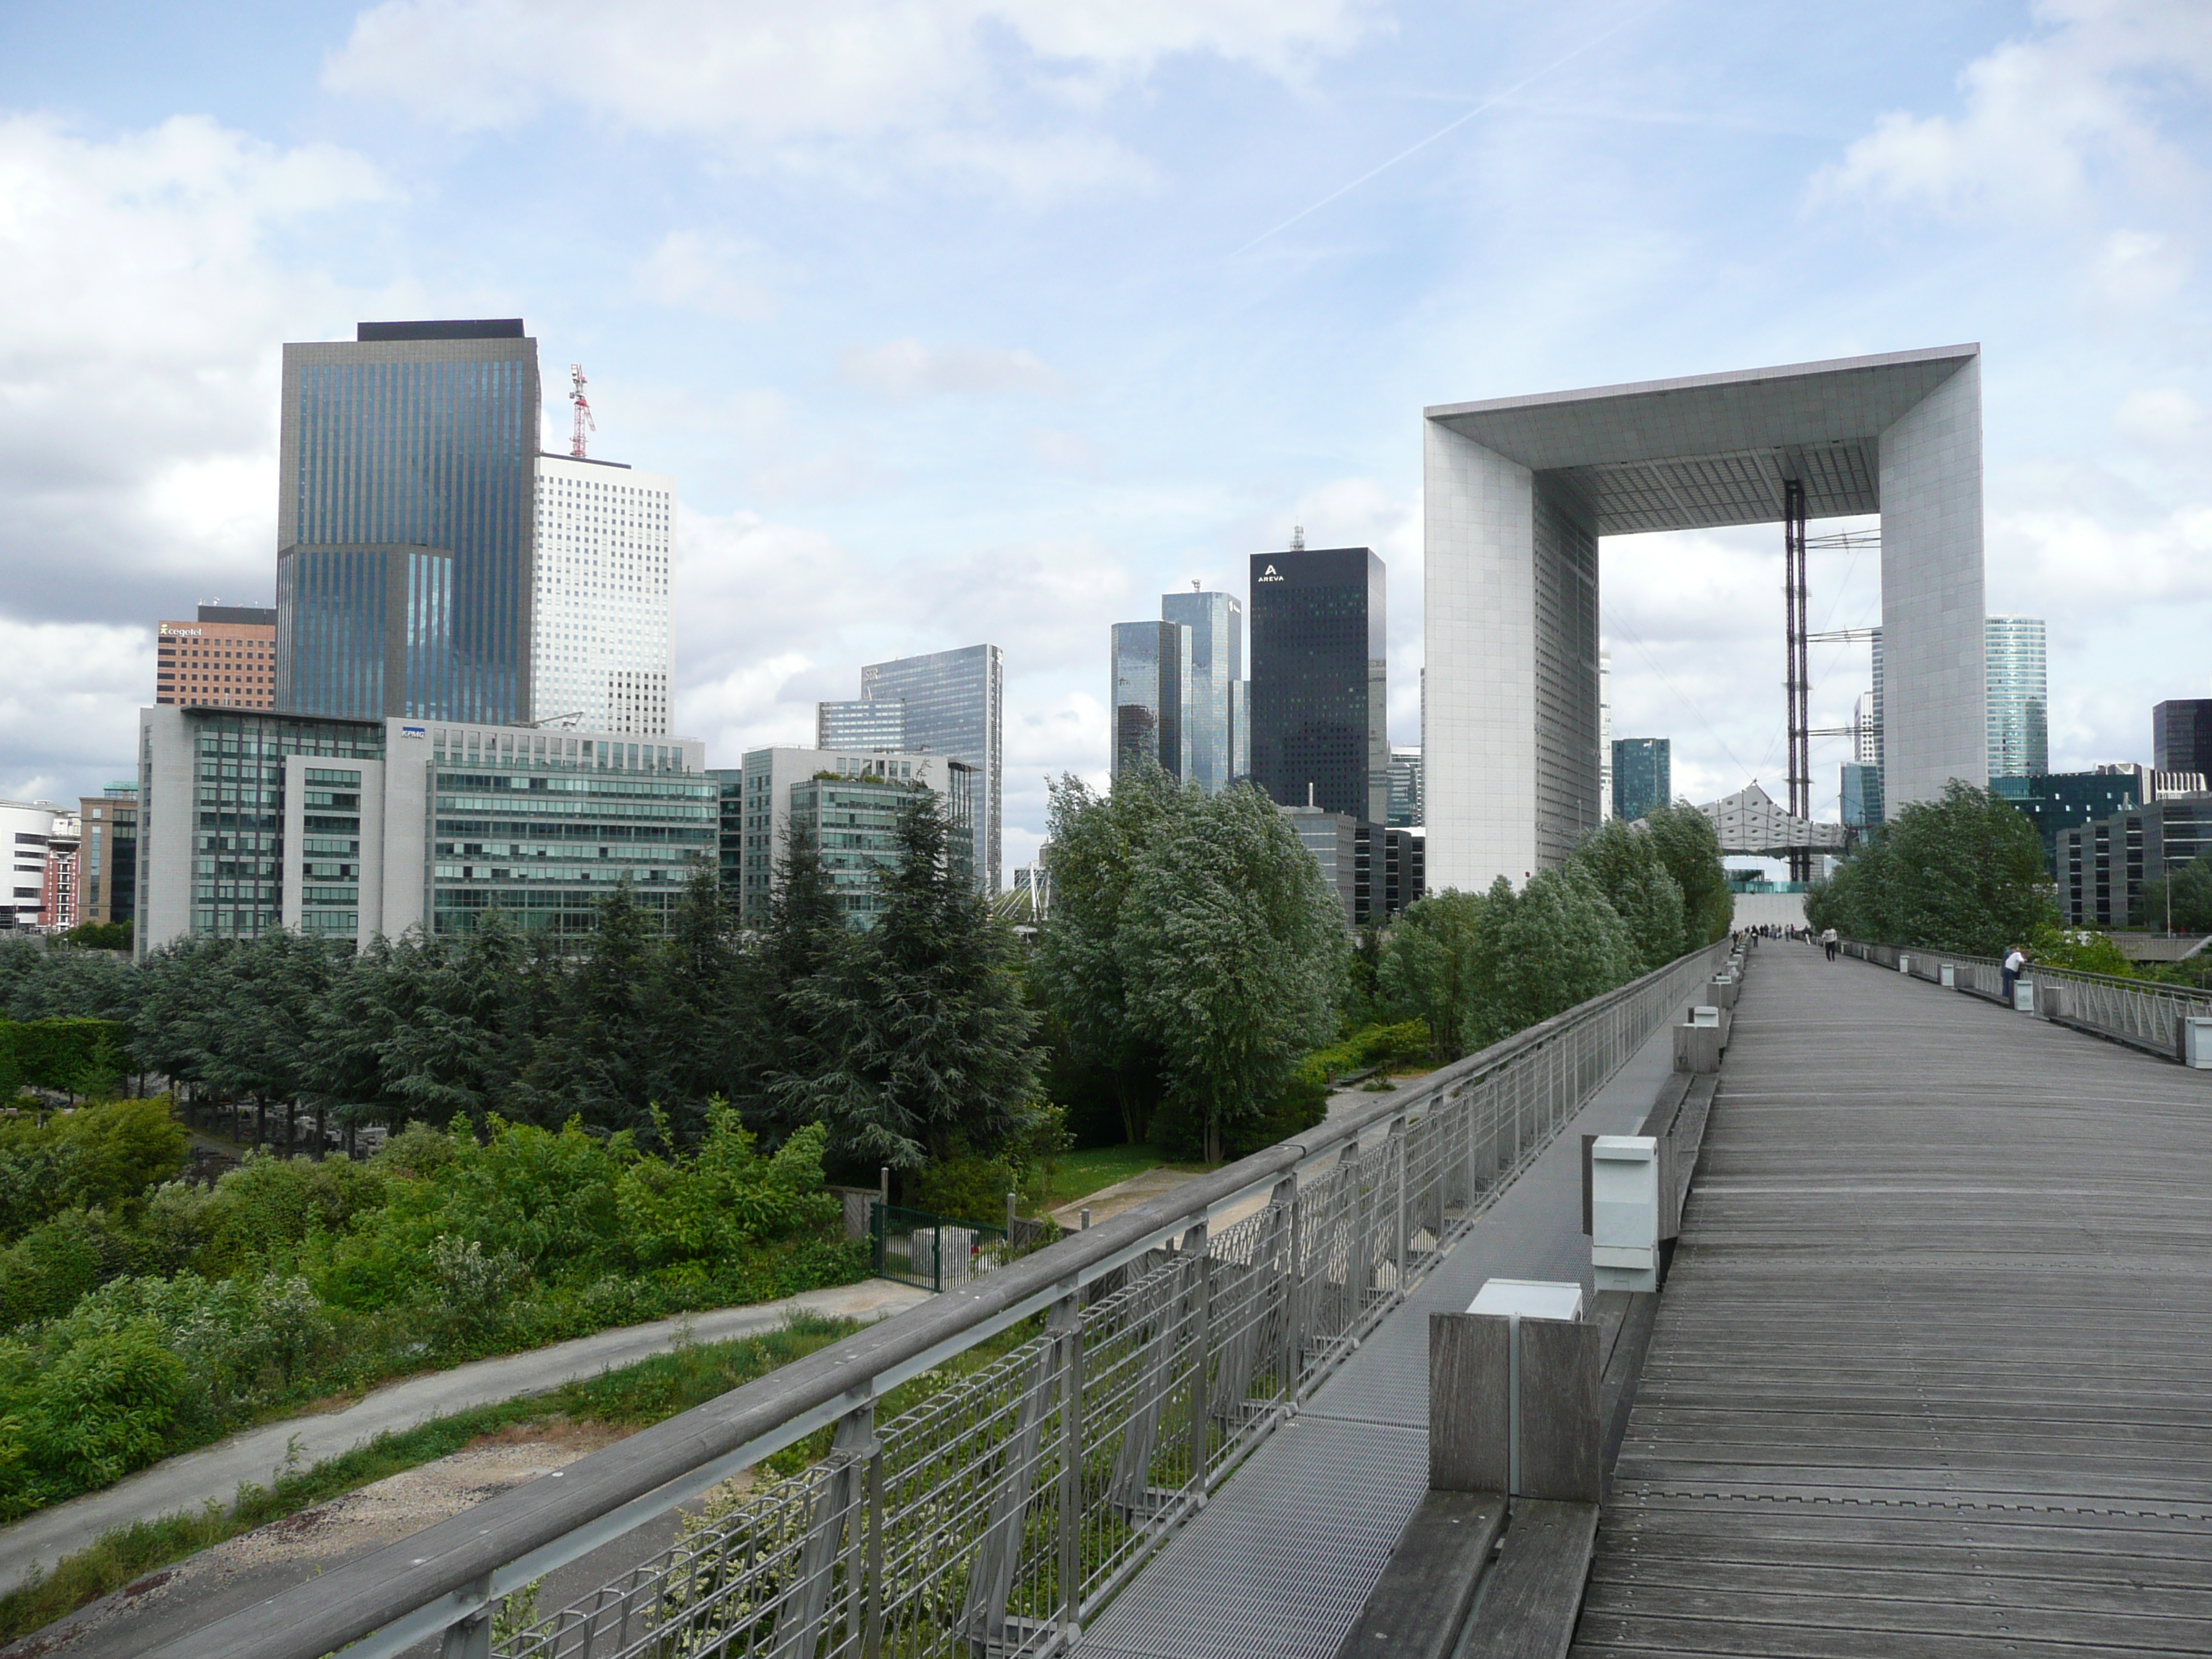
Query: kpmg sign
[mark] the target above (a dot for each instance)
(415, 732)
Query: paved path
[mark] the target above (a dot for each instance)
(216, 1472)
(1278, 1562)
(1933, 1370)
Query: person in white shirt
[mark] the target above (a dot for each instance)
(2016, 959)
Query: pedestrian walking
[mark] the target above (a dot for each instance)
(2015, 960)
(1833, 945)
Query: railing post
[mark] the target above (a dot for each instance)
(472, 1638)
(1066, 1322)
(1399, 1134)
(1294, 1299)
(799, 1626)
(1202, 1375)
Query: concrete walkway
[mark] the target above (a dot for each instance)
(258, 1456)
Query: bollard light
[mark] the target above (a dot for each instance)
(1625, 1212)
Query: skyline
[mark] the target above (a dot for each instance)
(1027, 318)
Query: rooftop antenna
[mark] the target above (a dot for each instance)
(1193, 584)
(1297, 538)
(584, 421)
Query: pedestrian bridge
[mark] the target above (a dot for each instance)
(1930, 1371)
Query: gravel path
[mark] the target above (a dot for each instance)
(215, 1473)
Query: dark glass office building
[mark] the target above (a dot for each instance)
(2181, 736)
(1320, 680)
(406, 523)
(1643, 775)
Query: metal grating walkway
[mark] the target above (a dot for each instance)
(1279, 1562)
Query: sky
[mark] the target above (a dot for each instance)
(968, 321)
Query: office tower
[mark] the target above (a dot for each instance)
(600, 643)
(2017, 695)
(861, 724)
(1218, 706)
(108, 855)
(225, 657)
(1150, 696)
(2181, 736)
(353, 829)
(1643, 775)
(852, 818)
(1604, 732)
(26, 828)
(1406, 804)
(58, 903)
(956, 705)
(2103, 866)
(405, 523)
(1320, 681)
(1860, 789)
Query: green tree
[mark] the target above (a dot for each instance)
(458, 1033)
(610, 1062)
(1234, 952)
(1628, 862)
(934, 1051)
(1099, 845)
(1964, 873)
(806, 941)
(1428, 966)
(1690, 849)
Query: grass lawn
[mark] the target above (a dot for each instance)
(1078, 1175)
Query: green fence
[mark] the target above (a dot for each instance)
(938, 1253)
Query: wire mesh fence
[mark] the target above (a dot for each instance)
(994, 1518)
(2140, 1013)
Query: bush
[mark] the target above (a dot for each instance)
(106, 1406)
(106, 1155)
(43, 1274)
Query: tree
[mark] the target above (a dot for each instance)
(1627, 861)
(612, 1060)
(807, 942)
(934, 1051)
(1428, 964)
(458, 1036)
(1690, 849)
(1964, 873)
(2190, 905)
(1098, 845)
(1234, 953)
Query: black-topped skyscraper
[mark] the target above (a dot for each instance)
(405, 523)
(1320, 684)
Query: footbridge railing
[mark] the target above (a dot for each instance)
(993, 1516)
(2141, 1013)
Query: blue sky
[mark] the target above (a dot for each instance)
(992, 319)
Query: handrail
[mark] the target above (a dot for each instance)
(2143, 1014)
(1273, 1300)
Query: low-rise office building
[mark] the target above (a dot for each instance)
(1375, 872)
(850, 803)
(108, 853)
(250, 821)
(25, 828)
(2103, 866)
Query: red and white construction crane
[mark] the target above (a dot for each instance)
(584, 421)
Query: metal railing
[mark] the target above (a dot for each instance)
(2141, 1013)
(993, 1518)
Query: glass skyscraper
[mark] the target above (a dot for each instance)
(1219, 710)
(2018, 696)
(405, 523)
(2181, 736)
(1408, 800)
(956, 705)
(1643, 775)
(1320, 681)
(1151, 697)
(861, 724)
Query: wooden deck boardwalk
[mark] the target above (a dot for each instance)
(1933, 1371)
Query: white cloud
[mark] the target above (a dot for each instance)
(71, 698)
(792, 82)
(2048, 124)
(907, 369)
(2163, 417)
(138, 372)
(714, 275)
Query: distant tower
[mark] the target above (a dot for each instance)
(584, 421)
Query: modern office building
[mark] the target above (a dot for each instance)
(1643, 775)
(861, 724)
(1604, 731)
(602, 659)
(405, 524)
(1333, 840)
(2017, 694)
(2103, 866)
(955, 706)
(1518, 491)
(1150, 696)
(1860, 790)
(250, 821)
(850, 803)
(108, 853)
(224, 657)
(27, 827)
(1375, 872)
(1220, 711)
(2058, 801)
(1320, 681)
(2181, 735)
(1407, 801)
(59, 900)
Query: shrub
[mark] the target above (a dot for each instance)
(105, 1155)
(44, 1274)
(106, 1404)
